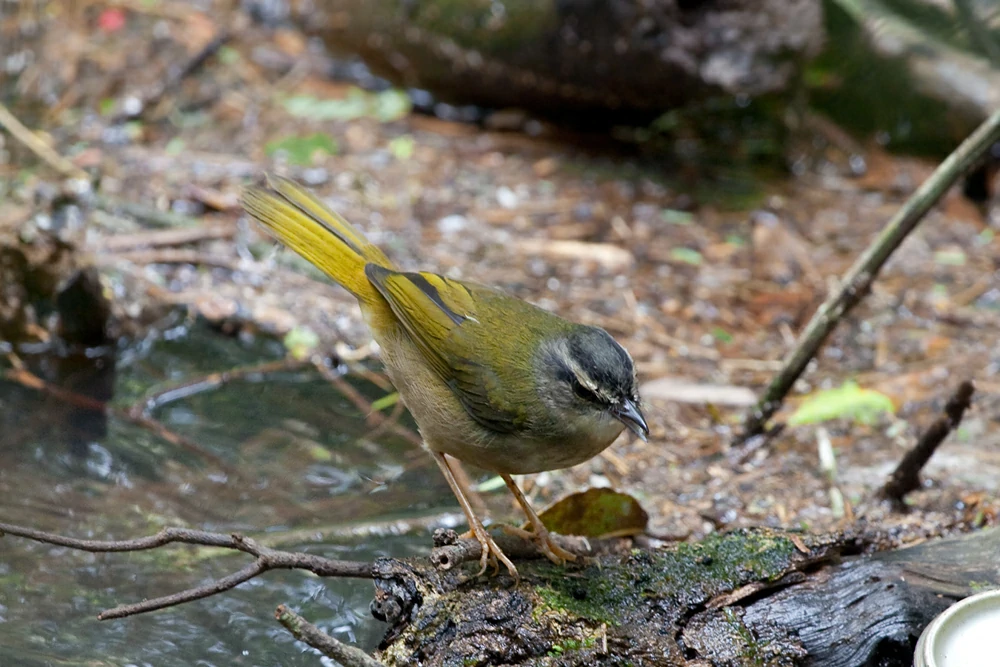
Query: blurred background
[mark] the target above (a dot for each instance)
(690, 175)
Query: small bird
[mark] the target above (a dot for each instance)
(489, 378)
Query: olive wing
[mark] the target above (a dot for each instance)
(442, 318)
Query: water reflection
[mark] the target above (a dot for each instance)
(282, 453)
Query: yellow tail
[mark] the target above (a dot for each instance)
(303, 223)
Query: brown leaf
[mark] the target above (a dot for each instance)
(596, 513)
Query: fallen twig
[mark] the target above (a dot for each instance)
(151, 98)
(367, 530)
(173, 256)
(906, 477)
(306, 632)
(267, 559)
(26, 378)
(144, 213)
(36, 145)
(857, 281)
(165, 237)
(164, 395)
(454, 551)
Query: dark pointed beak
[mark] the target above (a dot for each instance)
(630, 415)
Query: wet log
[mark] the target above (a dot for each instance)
(756, 597)
(575, 55)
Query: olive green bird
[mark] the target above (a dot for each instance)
(490, 379)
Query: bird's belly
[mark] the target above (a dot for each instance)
(443, 423)
(445, 426)
(518, 456)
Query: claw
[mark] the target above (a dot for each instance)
(493, 555)
(540, 535)
(491, 552)
(543, 539)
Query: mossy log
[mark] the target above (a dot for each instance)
(575, 55)
(751, 597)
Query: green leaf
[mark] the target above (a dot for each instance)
(386, 401)
(492, 484)
(228, 55)
(686, 255)
(302, 150)
(392, 105)
(674, 217)
(133, 130)
(596, 513)
(174, 147)
(300, 342)
(386, 106)
(318, 452)
(722, 335)
(950, 257)
(402, 147)
(849, 401)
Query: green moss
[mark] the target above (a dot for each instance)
(600, 602)
(687, 573)
(571, 644)
(753, 650)
(981, 586)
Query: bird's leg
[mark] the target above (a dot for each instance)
(540, 536)
(491, 552)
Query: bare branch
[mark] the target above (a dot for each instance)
(267, 559)
(165, 536)
(218, 586)
(906, 477)
(857, 281)
(452, 552)
(163, 395)
(26, 378)
(37, 146)
(306, 632)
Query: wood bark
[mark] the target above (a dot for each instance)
(752, 597)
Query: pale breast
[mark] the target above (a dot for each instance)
(445, 426)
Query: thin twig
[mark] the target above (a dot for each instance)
(306, 632)
(448, 556)
(267, 559)
(175, 76)
(165, 237)
(373, 417)
(172, 256)
(26, 378)
(37, 146)
(857, 281)
(906, 477)
(367, 530)
(144, 213)
(164, 395)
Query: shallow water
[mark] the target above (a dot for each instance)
(283, 456)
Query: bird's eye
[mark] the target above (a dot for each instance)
(583, 391)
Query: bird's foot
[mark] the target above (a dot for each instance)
(543, 539)
(492, 554)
